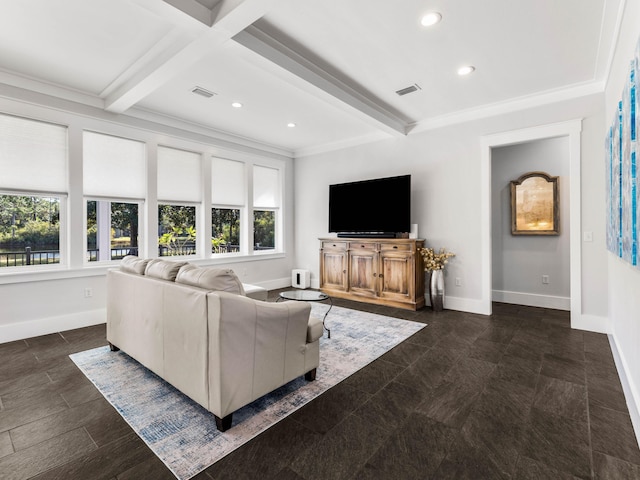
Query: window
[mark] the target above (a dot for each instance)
(114, 167)
(33, 187)
(179, 184)
(228, 189)
(225, 230)
(29, 230)
(264, 230)
(177, 230)
(266, 203)
(114, 171)
(112, 230)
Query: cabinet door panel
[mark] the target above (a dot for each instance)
(397, 275)
(334, 270)
(362, 272)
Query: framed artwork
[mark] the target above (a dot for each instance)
(535, 205)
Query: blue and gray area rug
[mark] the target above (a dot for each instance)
(184, 435)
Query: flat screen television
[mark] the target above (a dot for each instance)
(371, 208)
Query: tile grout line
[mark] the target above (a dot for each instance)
(586, 390)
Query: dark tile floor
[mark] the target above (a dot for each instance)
(518, 395)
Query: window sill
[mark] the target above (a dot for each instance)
(44, 274)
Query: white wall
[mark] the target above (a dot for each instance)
(519, 261)
(36, 302)
(445, 168)
(624, 280)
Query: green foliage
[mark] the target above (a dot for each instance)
(171, 216)
(177, 239)
(225, 226)
(264, 222)
(29, 221)
(124, 223)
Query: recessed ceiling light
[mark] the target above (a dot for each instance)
(466, 70)
(430, 18)
(236, 105)
(291, 124)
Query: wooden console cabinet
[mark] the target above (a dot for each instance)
(373, 270)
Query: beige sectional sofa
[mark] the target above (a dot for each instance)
(195, 328)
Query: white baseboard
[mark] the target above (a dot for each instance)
(45, 326)
(532, 300)
(591, 323)
(461, 304)
(631, 394)
(275, 284)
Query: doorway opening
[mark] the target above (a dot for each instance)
(571, 130)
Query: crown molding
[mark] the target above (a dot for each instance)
(510, 106)
(341, 145)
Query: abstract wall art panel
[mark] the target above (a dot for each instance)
(626, 179)
(611, 206)
(621, 146)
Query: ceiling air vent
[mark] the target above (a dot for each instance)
(202, 92)
(411, 89)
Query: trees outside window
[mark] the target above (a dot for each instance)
(112, 230)
(176, 230)
(29, 230)
(264, 229)
(225, 230)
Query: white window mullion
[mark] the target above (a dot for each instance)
(204, 227)
(247, 225)
(75, 205)
(150, 221)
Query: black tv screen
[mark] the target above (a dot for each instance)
(380, 206)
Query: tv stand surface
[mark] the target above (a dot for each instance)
(384, 271)
(368, 235)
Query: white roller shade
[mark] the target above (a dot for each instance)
(113, 166)
(33, 155)
(179, 174)
(266, 187)
(227, 182)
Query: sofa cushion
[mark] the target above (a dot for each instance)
(216, 279)
(133, 264)
(163, 269)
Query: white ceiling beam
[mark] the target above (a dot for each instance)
(365, 107)
(228, 18)
(194, 9)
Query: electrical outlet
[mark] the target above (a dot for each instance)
(88, 292)
(458, 282)
(545, 279)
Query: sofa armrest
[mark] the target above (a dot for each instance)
(315, 329)
(254, 347)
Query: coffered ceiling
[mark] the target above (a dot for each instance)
(331, 67)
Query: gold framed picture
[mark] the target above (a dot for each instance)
(535, 205)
